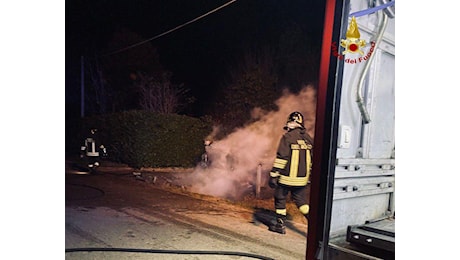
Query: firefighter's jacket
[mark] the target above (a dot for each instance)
(294, 158)
(93, 148)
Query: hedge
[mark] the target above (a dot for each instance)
(142, 138)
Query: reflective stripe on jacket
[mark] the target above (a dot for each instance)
(293, 158)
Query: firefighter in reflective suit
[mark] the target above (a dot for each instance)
(291, 170)
(91, 151)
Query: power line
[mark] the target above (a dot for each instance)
(170, 31)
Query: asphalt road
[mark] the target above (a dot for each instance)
(113, 215)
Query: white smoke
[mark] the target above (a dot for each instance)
(234, 159)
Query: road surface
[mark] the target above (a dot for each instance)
(114, 215)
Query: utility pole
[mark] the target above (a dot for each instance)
(82, 84)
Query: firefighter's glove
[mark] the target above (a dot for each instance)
(273, 182)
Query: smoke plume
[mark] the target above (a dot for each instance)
(234, 160)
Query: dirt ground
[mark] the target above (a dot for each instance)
(115, 176)
(144, 209)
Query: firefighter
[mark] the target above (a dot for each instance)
(291, 170)
(92, 151)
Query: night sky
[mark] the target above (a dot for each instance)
(198, 54)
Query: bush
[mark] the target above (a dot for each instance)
(144, 139)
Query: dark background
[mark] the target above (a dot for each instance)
(199, 55)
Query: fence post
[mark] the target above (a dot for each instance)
(258, 180)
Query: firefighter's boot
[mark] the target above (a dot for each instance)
(279, 227)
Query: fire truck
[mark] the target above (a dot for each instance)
(352, 197)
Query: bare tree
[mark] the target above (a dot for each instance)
(158, 94)
(118, 67)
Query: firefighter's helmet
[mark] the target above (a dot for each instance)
(296, 118)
